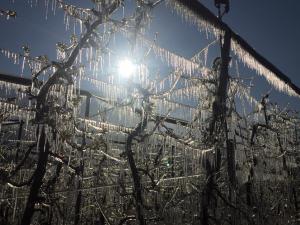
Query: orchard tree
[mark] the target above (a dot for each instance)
(99, 136)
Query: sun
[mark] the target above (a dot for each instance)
(126, 68)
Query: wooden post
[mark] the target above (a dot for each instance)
(224, 76)
(173, 161)
(19, 139)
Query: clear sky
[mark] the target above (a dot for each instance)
(272, 27)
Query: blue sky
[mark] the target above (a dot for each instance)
(271, 27)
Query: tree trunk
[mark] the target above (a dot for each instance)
(43, 149)
(134, 171)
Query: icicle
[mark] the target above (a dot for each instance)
(47, 7)
(252, 63)
(201, 22)
(205, 56)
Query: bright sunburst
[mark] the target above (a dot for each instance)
(126, 68)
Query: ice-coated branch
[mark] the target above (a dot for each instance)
(61, 70)
(8, 13)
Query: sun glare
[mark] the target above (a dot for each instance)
(126, 68)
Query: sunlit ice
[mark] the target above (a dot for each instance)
(126, 68)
